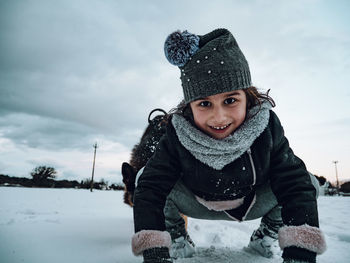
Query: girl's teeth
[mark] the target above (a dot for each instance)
(220, 128)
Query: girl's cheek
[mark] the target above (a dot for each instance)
(197, 119)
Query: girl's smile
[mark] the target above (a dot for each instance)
(221, 114)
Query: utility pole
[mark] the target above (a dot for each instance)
(336, 174)
(93, 168)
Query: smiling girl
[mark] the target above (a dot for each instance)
(224, 157)
(219, 115)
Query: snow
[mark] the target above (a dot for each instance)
(74, 225)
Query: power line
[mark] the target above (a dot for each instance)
(93, 168)
(336, 175)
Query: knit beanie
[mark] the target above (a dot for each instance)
(209, 64)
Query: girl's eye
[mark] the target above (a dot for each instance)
(204, 104)
(229, 100)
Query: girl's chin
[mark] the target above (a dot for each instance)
(219, 137)
(219, 134)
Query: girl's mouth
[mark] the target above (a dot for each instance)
(220, 129)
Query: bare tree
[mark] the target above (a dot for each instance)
(41, 173)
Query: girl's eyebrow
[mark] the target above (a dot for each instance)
(201, 99)
(233, 93)
(228, 95)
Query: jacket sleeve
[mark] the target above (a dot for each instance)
(300, 238)
(155, 183)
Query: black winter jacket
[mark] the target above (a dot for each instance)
(271, 160)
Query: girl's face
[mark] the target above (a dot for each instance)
(221, 114)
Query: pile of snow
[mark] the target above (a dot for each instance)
(71, 225)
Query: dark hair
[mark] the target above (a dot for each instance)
(254, 98)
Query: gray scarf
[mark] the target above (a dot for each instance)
(218, 153)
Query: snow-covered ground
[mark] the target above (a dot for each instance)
(70, 225)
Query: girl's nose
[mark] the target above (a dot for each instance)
(219, 115)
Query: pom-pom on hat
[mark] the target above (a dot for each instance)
(209, 64)
(179, 47)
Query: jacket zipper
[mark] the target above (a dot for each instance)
(249, 151)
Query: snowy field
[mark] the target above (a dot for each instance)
(69, 225)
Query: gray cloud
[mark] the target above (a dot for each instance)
(75, 71)
(69, 64)
(39, 132)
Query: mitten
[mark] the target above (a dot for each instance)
(157, 255)
(298, 255)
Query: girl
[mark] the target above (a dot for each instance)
(224, 156)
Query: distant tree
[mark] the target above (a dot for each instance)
(41, 173)
(118, 186)
(104, 184)
(85, 184)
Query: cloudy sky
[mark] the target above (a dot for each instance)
(77, 72)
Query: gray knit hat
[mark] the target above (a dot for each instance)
(209, 64)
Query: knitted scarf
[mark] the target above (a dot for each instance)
(218, 153)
